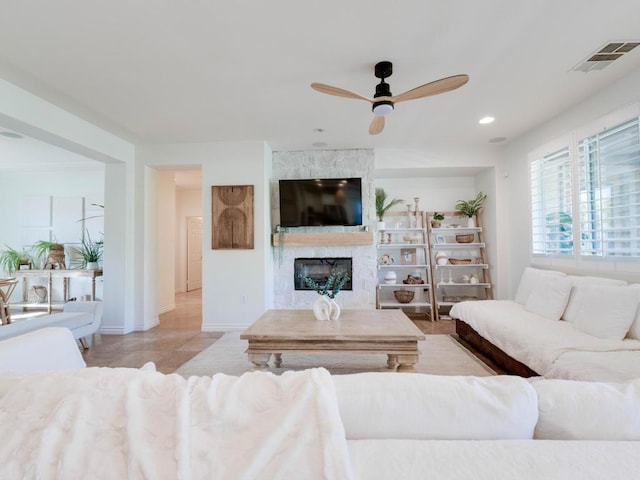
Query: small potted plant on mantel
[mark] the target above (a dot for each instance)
(468, 208)
(382, 206)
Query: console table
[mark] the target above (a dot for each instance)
(50, 275)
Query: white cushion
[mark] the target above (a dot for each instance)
(427, 407)
(549, 297)
(605, 311)
(43, 350)
(571, 410)
(634, 330)
(580, 282)
(530, 278)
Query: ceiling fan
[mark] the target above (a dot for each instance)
(383, 101)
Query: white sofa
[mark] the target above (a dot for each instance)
(559, 326)
(104, 423)
(82, 318)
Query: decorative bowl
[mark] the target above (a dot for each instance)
(403, 296)
(460, 261)
(467, 238)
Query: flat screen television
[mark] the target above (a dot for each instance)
(321, 202)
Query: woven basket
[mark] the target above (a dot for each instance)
(403, 296)
(467, 238)
(460, 261)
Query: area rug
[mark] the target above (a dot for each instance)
(440, 355)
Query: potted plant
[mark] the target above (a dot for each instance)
(469, 208)
(91, 253)
(437, 220)
(327, 308)
(52, 252)
(382, 206)
(11, 259)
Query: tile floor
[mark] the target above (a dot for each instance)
(178, 338)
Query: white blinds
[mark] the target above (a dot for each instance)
(551, 206)
(609, 192)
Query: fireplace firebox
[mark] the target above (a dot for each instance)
(319, 269)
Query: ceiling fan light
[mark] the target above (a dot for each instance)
(382, 108)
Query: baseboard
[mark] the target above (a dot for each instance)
(112, 331)
(147, 325)
(167, 308)
(222, 327)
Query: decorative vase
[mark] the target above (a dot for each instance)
(335, 310)
(325, 308)
(471, 222)
(322, 308)
(381, 225)
(92, 266)
(390, 278)
(436, 224)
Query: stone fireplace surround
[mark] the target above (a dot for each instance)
(325, 164)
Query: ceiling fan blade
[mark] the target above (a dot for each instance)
(339, 92)
(433, 88)
(377, 125)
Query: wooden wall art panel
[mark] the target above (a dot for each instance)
(232, 217)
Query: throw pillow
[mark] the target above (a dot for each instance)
(578, 282)
(573, 410)
(634, 330)
(530, 278)
(606, 311)
(549, 297)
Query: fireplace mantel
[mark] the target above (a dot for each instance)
(323, 238)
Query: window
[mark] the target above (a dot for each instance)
(551, 210)
(609, 166)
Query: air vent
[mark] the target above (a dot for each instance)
(605, 55)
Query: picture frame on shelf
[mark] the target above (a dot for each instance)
(408, 256)
(441, 239)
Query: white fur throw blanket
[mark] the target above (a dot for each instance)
(116, 423)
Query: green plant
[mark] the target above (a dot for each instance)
(90, 251)
(41, 248)
(382, 207)
(468, 208)
(336, 280)
(11, 259)
(438, 216)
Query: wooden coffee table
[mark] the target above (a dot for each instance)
(357, 331)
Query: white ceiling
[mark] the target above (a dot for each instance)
(165, 71)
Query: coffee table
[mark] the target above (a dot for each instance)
(357, 331)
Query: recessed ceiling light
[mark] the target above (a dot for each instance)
(11, 135)
(486, 120)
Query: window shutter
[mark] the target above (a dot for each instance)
(551, 206)
(609, 184)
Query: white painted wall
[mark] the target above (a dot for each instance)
(620, 95)
(28, 114)
(228, 275)
(188, 204)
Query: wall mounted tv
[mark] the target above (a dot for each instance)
(321, 202)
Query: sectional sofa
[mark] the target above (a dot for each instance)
(61, 420)
(559, 326)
